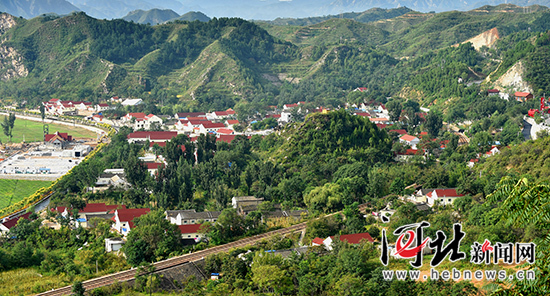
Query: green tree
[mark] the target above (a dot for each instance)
(78, 289)
(153, 238)
(8, 124)
(433, 123)
(394, 109)
(42, 111)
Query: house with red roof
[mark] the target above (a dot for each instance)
(494, 150)
(8, 224)
(151, 136)
(230, 112)
(152, 167)
(218, 115)
(522, 96)
(185, 115)
(128, 117)
(124, 219)
(225, 138)
(399, 131)
(493, 92)
(92, 210)
(98, 118)
(191, 232)
(361, 89)
(473, 162)
(409, 140)
(231, 122)
(353, 239)
(58, 140)
(225, 131)
(444, 196)
(317, 242)
(206, 127)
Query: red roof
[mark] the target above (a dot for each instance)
(153, 165)
(103, 105)
(382, 125)
(212, 124)
(137, 115)
(317, 240)
(399, 131)
(521, 94)
(189, 228)
(362, 89)
(451, 192)
(161, 144)
(364, 114)
(273, 116)
(291, 105)
(226, 138)
(12, 222)
(356, 238)
(53, 100)
(197, 119)
(64, 136)
(474, 160)
(221, 113)
(232, 121)
(128, 215)
(191, 114)
(225, 131)
(493, 91)
(230, 111)
(408, 138)
(409, 152)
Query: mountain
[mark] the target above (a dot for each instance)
(32, 8)
(279, 9)
(192, 16)
(112, 9)
(229, 62)
(153, 16)
(371, 15)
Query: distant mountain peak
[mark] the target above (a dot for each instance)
(154, 16)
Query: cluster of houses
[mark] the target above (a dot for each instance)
(189, 222)
(58, 107)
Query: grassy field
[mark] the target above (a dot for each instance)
(26, 281)
(23, 188)
(32, 131)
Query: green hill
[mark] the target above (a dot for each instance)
(371, 15)
(192, 16)
(225, 62)
(153, 16)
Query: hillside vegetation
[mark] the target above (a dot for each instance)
(226, 63)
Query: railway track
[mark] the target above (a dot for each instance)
(127, 275)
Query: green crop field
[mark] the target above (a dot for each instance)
(32, 131)
(19, 189)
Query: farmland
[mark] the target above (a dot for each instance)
(19, 189)
(32, 131)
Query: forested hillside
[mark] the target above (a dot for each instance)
(231, 62)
